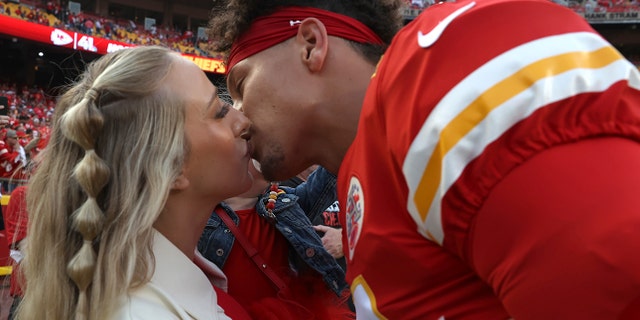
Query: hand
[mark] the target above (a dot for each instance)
(4, 120)
(331, 240)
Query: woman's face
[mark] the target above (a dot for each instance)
(217, 164)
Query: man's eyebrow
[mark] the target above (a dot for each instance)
(230, 78)
(231, 81)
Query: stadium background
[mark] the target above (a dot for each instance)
(28, 62)
(29, 58)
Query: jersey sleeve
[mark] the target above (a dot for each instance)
(558, 237)
(519, 143)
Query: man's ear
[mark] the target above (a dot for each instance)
(180, 183)
(314, 43)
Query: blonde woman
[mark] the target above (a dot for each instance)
(142, 149)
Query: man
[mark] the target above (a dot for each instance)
(494, 171)
(12, 160)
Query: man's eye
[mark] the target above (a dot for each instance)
(239, 87)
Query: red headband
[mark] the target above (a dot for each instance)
(267, 31)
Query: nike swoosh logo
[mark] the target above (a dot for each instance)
(426, 40)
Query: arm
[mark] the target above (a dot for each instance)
(331, 240)
(21, 159)
(558, 237)
(13, 157)
(15, 217)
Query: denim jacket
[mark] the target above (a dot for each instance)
(292, 210)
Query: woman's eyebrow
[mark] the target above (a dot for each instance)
(214, 96)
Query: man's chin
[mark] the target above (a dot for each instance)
(275, 168)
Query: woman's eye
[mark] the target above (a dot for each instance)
(223, 111)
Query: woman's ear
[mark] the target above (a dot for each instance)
(180, 183)
(314, 43)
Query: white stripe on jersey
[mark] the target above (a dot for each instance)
(491, 100)
(365, 300)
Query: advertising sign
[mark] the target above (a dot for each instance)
(78, 41)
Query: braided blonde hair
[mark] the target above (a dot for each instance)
(116, 146)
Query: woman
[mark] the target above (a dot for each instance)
(141, 151)
(275, 261)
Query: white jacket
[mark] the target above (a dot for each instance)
(178, 289)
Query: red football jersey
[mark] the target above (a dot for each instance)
(495, 169)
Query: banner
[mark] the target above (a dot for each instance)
(78, 41)
(593, 15)
(207, 64)
(612, 17)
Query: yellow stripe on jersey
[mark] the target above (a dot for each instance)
(494, 97)
(364, 298)
(494, 93)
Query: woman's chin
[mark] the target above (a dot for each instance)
(256, 164)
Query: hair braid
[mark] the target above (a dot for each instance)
(117, 144)
(81, 124)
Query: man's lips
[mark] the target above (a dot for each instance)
(250, 149)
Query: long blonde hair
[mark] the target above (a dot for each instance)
(117, 144)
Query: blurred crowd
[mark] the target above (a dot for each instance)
(57, 14)
(30, 110)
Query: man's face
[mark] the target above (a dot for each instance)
(275, 93)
